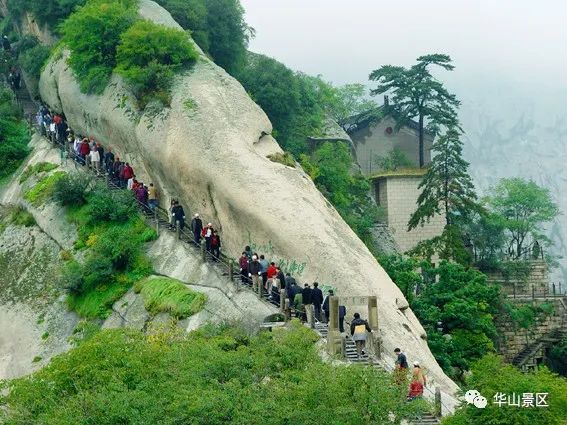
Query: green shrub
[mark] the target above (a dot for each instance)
(33, 59)
(163, 294)
(47, 12)
(284, 158)
(40, 167)
(149, 55)
(111, 205)
(72, 189)
(93, 33)
(22, 217)
(208, 377)
(14, 135)
(44, 189)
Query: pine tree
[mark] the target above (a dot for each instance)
(447, 186)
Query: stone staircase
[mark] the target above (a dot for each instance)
(351, 356)
(526, 358)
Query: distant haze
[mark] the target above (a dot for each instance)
(511, 71)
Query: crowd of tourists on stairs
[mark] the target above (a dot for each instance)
(309, 303)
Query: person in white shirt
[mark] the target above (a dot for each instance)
(95, 160)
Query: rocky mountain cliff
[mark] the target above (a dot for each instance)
(210, 151)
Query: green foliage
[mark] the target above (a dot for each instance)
(557, 358)
(486, 233)
(447, 188)
(84, 331)
(14, 135)
(110, 205)
(72, 189)
(283, 158)
(93, 34)
(228, 34)
(21, 217)
(394, 160)
(40, 167)
(43, 190)
(417, 94)
(331, 164)
(525, 316)
(162, 294)
(212, 376)
(149, 55)
(33, 58)
(522, 208)
(347, 101)
(47, 12)
(491, 375)
(192, 16)
(403, 271)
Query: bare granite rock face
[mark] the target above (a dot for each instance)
(209, 150)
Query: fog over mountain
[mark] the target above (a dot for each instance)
(510, 74)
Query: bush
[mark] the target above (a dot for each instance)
(22, 217)
(44, 189)
(72, 189)
(33, 59)
(150, 54)
(40, 167)
(14, 135)
(47, 12)
(283, 158)
(111, 205)
(93, 34)
(192, 16)
(169, 295)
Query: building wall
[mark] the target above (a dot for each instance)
(374, 141)
(400, 194)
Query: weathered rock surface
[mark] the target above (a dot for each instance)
(209, 149)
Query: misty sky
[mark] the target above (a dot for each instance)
(521, 42)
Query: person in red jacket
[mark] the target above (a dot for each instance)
(84, 151)
(127, 173)
(243, 261)
(215, 245)
(271, 273)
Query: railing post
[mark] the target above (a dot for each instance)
(533, 292)
(560, 291)
(334, 342)
(282, 299)
(178, 229)
(230, 269)
(514, 289)
(203, 250)
(438, 402)
(156, 221)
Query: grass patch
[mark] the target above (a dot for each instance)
(40, 167)
(98, 302)
(163, 294)
(43, 190)
(283, 158)
(45, 336)
(19, 216)
(37, 359)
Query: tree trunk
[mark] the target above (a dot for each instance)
(421, 147)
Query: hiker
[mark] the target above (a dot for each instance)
(215, 245)
(298, 305)
(243, 262)
(271, 272)
(6, 44)
(178, 215)
(281, 284)
(248, 252)
(317, 300)
(142, 195)
(291, 290)
(108, 160)
(95, 160)
(307, 293)
(152, 197)
(196, 228)
(255, 274)
(208, 235)
(264, 269)
(342, 315)
(132, 183)
(401, 360)
(325, 306)
(127, 172)
(100, 150)
(415, 390)
(358, 329)
(417, 374)
(84, 152)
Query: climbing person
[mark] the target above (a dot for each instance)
(178, 215)
(84, 152)
(271, 272)
(95, 160)
(358, 329)
(127, 173)
(196, 228)
(108, 160)
(100, 150)
(342, 315)
(152, 197)
(215, 246)
(307, 293)
(255, 274)
(6, 43)
(415, 390)
(298, 305)
(417, 374)
(141, 195)
(264, 269)
(400, 372)
(208, 235)
(317, 297)
(132, 183)
(243, 263)
(248, 252)
(325, 306)
(281, 284)
(291, 289)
